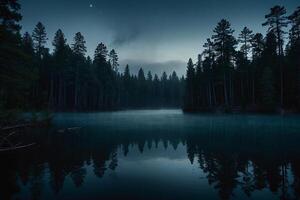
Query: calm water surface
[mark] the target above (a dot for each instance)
(161, 154)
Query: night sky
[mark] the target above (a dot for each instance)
(155, 34)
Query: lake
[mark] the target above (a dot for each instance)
(157, 154)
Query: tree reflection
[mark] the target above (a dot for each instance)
(231, 162)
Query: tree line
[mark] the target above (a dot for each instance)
(32, 77)
(263, 74)
(252, 72)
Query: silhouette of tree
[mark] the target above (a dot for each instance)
(16, 75)
(10, 17)
(224, 45)
(245, 38)
(189, 88)
(277, 21)
(113, 59)
(40, 38)
(79, 47)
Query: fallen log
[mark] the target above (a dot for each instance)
(16, 147)
(17, 126)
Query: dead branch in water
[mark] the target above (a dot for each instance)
(17, 126)
(6, 139)
(16, 147)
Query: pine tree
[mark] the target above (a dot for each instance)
(295, 29)
(266, 78)
(127, 87)
(100, 53)
(61, 56)
(174, 88)
(293, 52)
(59, 42)
(224, 45)
(208, 49)
(156, 90)
(78, 46)
(245, 38)
(141, 87)
(79, 50)
(224, 42)
(257, 45)
(149, 76)
(39, 38)
(9, 18)
(164, 88)
(141, 75)
(199, 83)
(189, 87)
(277, 21)
(113, 59)
(208, 63)
(15, 76)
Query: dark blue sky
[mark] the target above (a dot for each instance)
(156, 34)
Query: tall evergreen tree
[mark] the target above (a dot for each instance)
(293, 61)
(113, 59)
(295, 22)
(208, 70)
(15, 78)
(79, 50)
(189, 87)
(61, 57)
(224, 42)
(245, 38)
(103, 73)
(78, 46)
(9, 17)
(127, 90)
(101, 53)
(224, 45)
(277, 21)
(257, 44)
(141, 87)
(208, 48)
(39, 38)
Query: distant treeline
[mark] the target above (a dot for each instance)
(261, 75)
(33, 78)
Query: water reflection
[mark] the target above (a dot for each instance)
(118, 156)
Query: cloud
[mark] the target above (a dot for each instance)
(123, 37)
(155, 67)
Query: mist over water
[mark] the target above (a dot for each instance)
(161, 154)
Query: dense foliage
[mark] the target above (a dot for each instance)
(259, 76)
(67, 79)
(252, 72)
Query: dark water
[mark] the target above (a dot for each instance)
(161, 154)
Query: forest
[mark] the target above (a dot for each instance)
(33, 78)
(252, 72)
